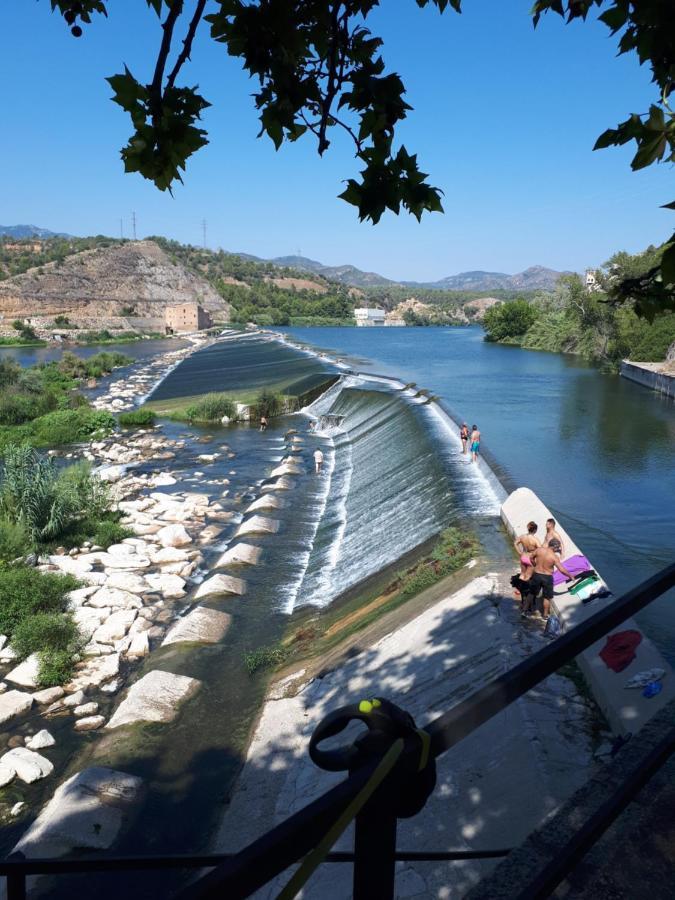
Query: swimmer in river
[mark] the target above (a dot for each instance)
(318, 461)
(263, 423)
(475, 443)
(464, 436)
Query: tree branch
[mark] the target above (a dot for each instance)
(187, 43)
(167, 27)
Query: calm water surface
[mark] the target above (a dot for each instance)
(599, 450)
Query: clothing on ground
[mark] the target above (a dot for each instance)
(619, 651)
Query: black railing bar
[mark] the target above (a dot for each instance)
(16, 886)
(570, 854)
(293, 838)
(464, 718)
(38, 866)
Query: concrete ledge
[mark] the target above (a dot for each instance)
(514, 876)
(650, 375)
(626, 710)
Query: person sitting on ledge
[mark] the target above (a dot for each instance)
(545, 560)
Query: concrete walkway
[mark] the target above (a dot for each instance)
(492, 789)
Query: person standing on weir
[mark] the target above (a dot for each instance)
(318, 460)
(475, 443)
(464, 436)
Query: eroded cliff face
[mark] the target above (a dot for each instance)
(106, 283)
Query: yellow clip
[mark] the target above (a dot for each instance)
(365, 706)
(375, 702)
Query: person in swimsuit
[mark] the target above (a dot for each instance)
(263, 423)
(464, 436)
(475, 443)
(552, 535)
(545, 560)
(527, 543)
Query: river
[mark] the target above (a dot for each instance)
(598, 449)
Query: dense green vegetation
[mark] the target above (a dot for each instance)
(41, 405)
(137, 418)
(34, 616)
(42, 506)
(211, 408)
(593, 324)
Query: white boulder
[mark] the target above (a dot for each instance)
(173, 536)
(115, 598)
(171, 586)
(127, 581)
(27, 764)
(202, 625)
(259, 524)
(87, 810)
(115, 626)
(155, 698)
(220, 584)
(40, 740)
(139, 646)
(13, 703)
(26, 673)
(89, 723)
(240, 554)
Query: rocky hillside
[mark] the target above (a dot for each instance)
(130, 281)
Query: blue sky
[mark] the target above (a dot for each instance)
(504, 120)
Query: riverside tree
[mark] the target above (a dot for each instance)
(319, 68)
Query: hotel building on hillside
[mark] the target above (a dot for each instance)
(185, 318)
(367, 317)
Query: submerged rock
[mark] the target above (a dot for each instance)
(155, 698)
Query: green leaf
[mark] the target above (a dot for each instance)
(668, 263)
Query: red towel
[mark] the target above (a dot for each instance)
(619, 651)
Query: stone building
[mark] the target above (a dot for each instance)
(186, 317)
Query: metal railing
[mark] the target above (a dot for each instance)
(374, 857)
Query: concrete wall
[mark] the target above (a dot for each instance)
(626, 710)
(649, 377)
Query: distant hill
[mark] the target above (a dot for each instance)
(29, 231)
(536, 278)
(346, 274)
(124, 284)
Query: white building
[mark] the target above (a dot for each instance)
(592, 280)
(366, 316)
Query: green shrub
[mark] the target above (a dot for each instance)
(137, 418)
(66, 426)
(268, 404)
(26, 592)
(14, 541)
(211, 408)
(508, 320)
(56, 667)
(265, 658)
(109, 532)
(45, 631)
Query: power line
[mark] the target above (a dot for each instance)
(133, 223)
(204, 231)
(122, 229)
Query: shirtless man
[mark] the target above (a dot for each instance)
(475, 443)
(552, 535)
(545, 560)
